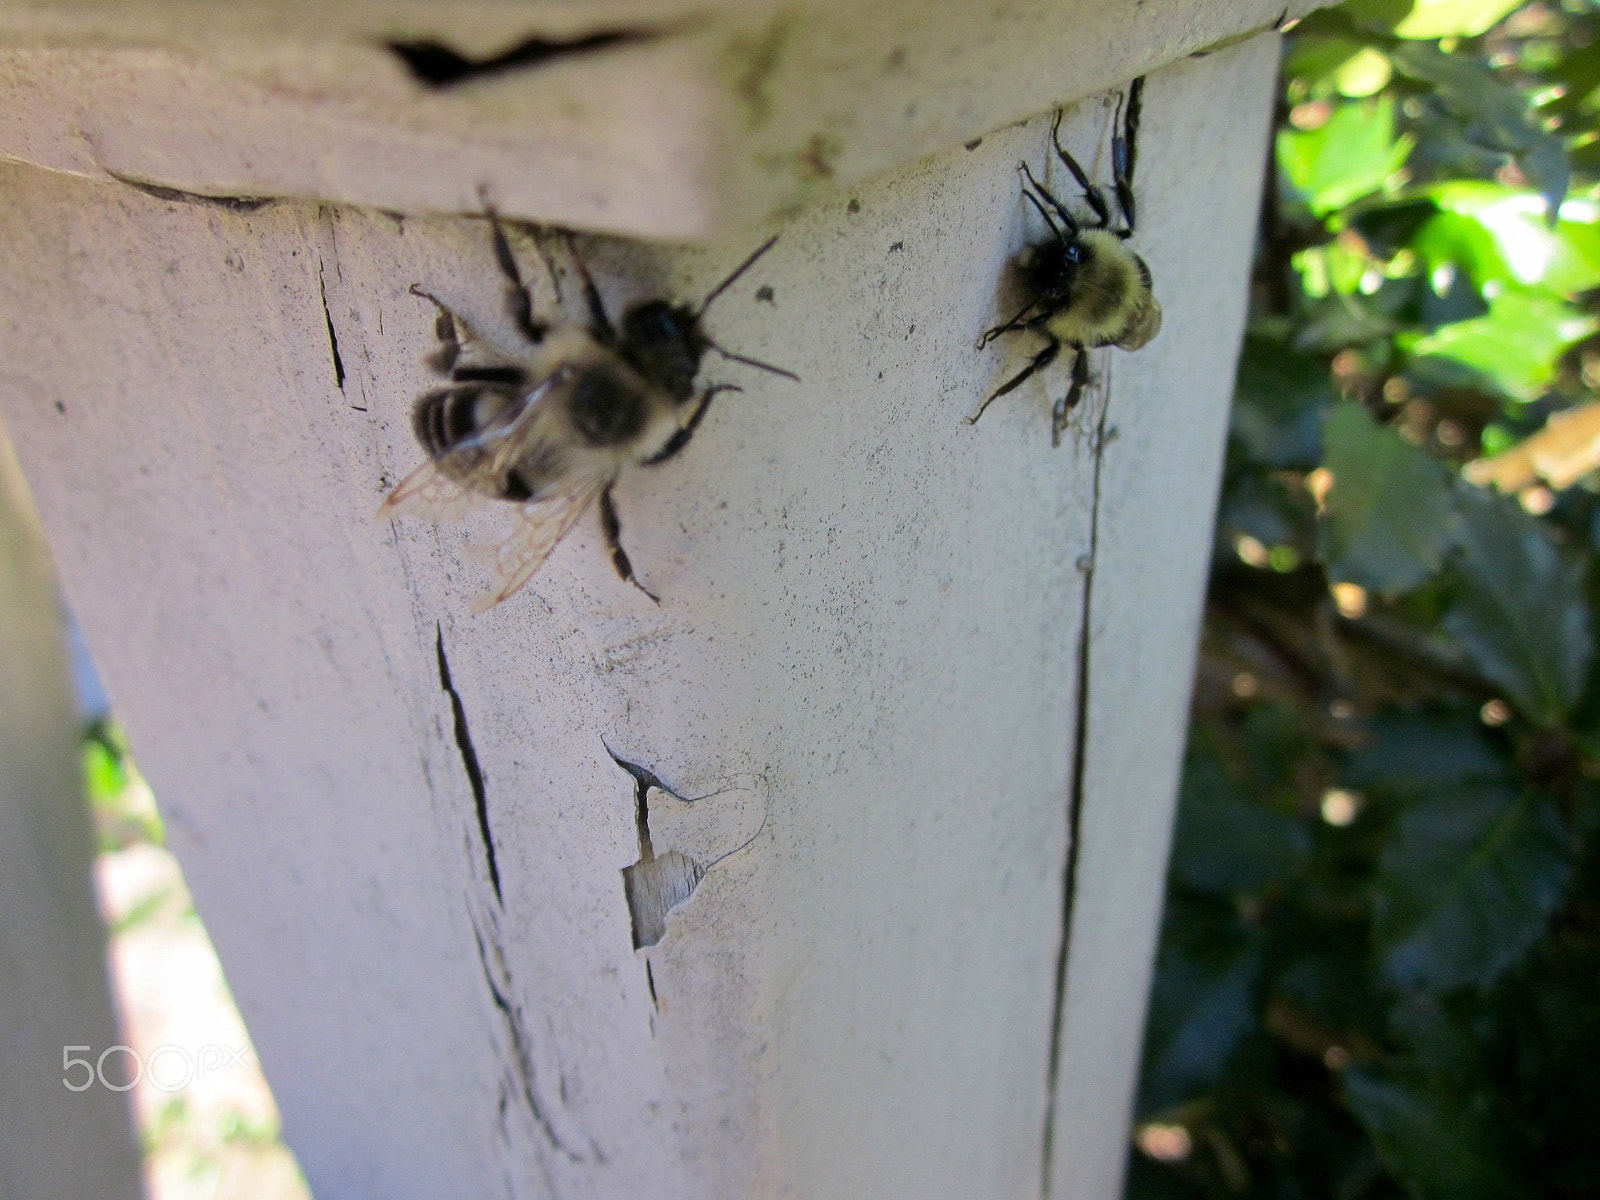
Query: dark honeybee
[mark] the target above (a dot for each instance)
(549, 422)
(1085, 288)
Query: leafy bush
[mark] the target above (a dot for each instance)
(1379, 972)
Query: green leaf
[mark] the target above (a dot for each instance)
(143, 910)
(1341, 320)
(1436, 1042)
(1466, 885)
(1366, 74)
(1354, 154)
(1453, 18)
(1315, 59)
(1388, 226)
(1522, 613)
(1440, 1146)
(1378, 16)
(1412, 750)
(1497, 117)
(1514, 348)
(1278, 405)
(1578, 71)
(1335, 267)
(104, 773)
(1389, 517)
(1227, 844)
(1449, 242)
(1330, 979)
(1202, 1002)
(1277, 514)
(1501, 234)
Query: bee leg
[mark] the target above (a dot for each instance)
(518, 305)
(1067, 218)
(1091, 194)
(1125, 150)
(1037, 363)
(681, 439)
(611, 526)
(598, 320)
(445, 328)
(536, 235)
(1074, 396)
(1010, 326)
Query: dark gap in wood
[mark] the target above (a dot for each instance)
(333, 337)
(238, 204)
(469, 759)
(522, 1063)
(1069, 872)
(435, 64)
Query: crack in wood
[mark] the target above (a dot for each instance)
(435, 64)
(333, 336)
(521, 1052)
(469, 759)
(238, 204)
(1069, 870)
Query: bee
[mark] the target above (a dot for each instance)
(1085, 288)
(548, 420)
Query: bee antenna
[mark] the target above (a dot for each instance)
(737, 271)
(752, 362)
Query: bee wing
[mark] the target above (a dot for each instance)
(428, 493)
(540, 526)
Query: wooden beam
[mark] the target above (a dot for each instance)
(413, 832)
(62, 1131)
(666, 120)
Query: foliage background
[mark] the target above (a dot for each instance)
(1379, 973)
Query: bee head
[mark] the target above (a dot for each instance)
(665, 344)
(1051, 269)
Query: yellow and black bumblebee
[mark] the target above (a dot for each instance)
(1085, 287)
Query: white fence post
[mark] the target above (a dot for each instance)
(61, 1132)
(413, 833)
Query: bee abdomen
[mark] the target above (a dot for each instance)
(1101, 298)
(445, 418)
(1142, 326)
(511, 376)
(431, 421)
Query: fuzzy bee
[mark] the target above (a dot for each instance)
(548, 421)
(1085, 288)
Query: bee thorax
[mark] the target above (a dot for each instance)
(1109, 297)
(605, 409)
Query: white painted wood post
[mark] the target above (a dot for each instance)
(61, 1132)
(914, 893)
